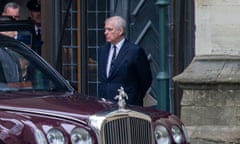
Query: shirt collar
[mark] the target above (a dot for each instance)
(119, 44)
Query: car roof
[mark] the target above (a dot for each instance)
(18, 25)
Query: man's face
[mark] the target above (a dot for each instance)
(12, 12)
(36, 16)
(112, 34)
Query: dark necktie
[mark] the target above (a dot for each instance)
(114, 53)
(113, 59)
(39, 33)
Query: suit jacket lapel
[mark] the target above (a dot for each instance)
(106, 53)
(119, 60)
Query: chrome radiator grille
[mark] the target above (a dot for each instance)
(127, 130)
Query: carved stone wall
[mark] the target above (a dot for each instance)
(210, 107)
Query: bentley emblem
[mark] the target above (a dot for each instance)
(122, 97)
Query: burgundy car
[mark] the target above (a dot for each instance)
(38, 106)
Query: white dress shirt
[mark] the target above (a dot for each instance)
(118, 47)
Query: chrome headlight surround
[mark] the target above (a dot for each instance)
(55, 136)
(40, 138)
(177, 134)
(81, 136)
(162, 135)
(187, 137)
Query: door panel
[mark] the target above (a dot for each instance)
(143, 30)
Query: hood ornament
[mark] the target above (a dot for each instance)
(121, 97)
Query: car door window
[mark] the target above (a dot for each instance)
(18, 72)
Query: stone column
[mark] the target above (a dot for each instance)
(210, 106)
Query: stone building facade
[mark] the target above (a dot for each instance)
(210, 106)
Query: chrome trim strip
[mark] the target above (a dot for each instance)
(43, 112)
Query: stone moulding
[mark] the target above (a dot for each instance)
(208, 71)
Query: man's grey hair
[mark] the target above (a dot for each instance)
(13, 5)
(119, 22)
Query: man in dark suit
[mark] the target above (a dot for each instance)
(34, 7)
(122, 63)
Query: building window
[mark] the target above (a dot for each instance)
(71, 41)
(96, 13)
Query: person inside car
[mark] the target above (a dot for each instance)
(21, 62)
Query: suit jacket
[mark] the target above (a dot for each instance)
(131, 70)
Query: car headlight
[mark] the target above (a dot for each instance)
(177, 134)
(55, 136)
(162, 135)
(81, 136)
